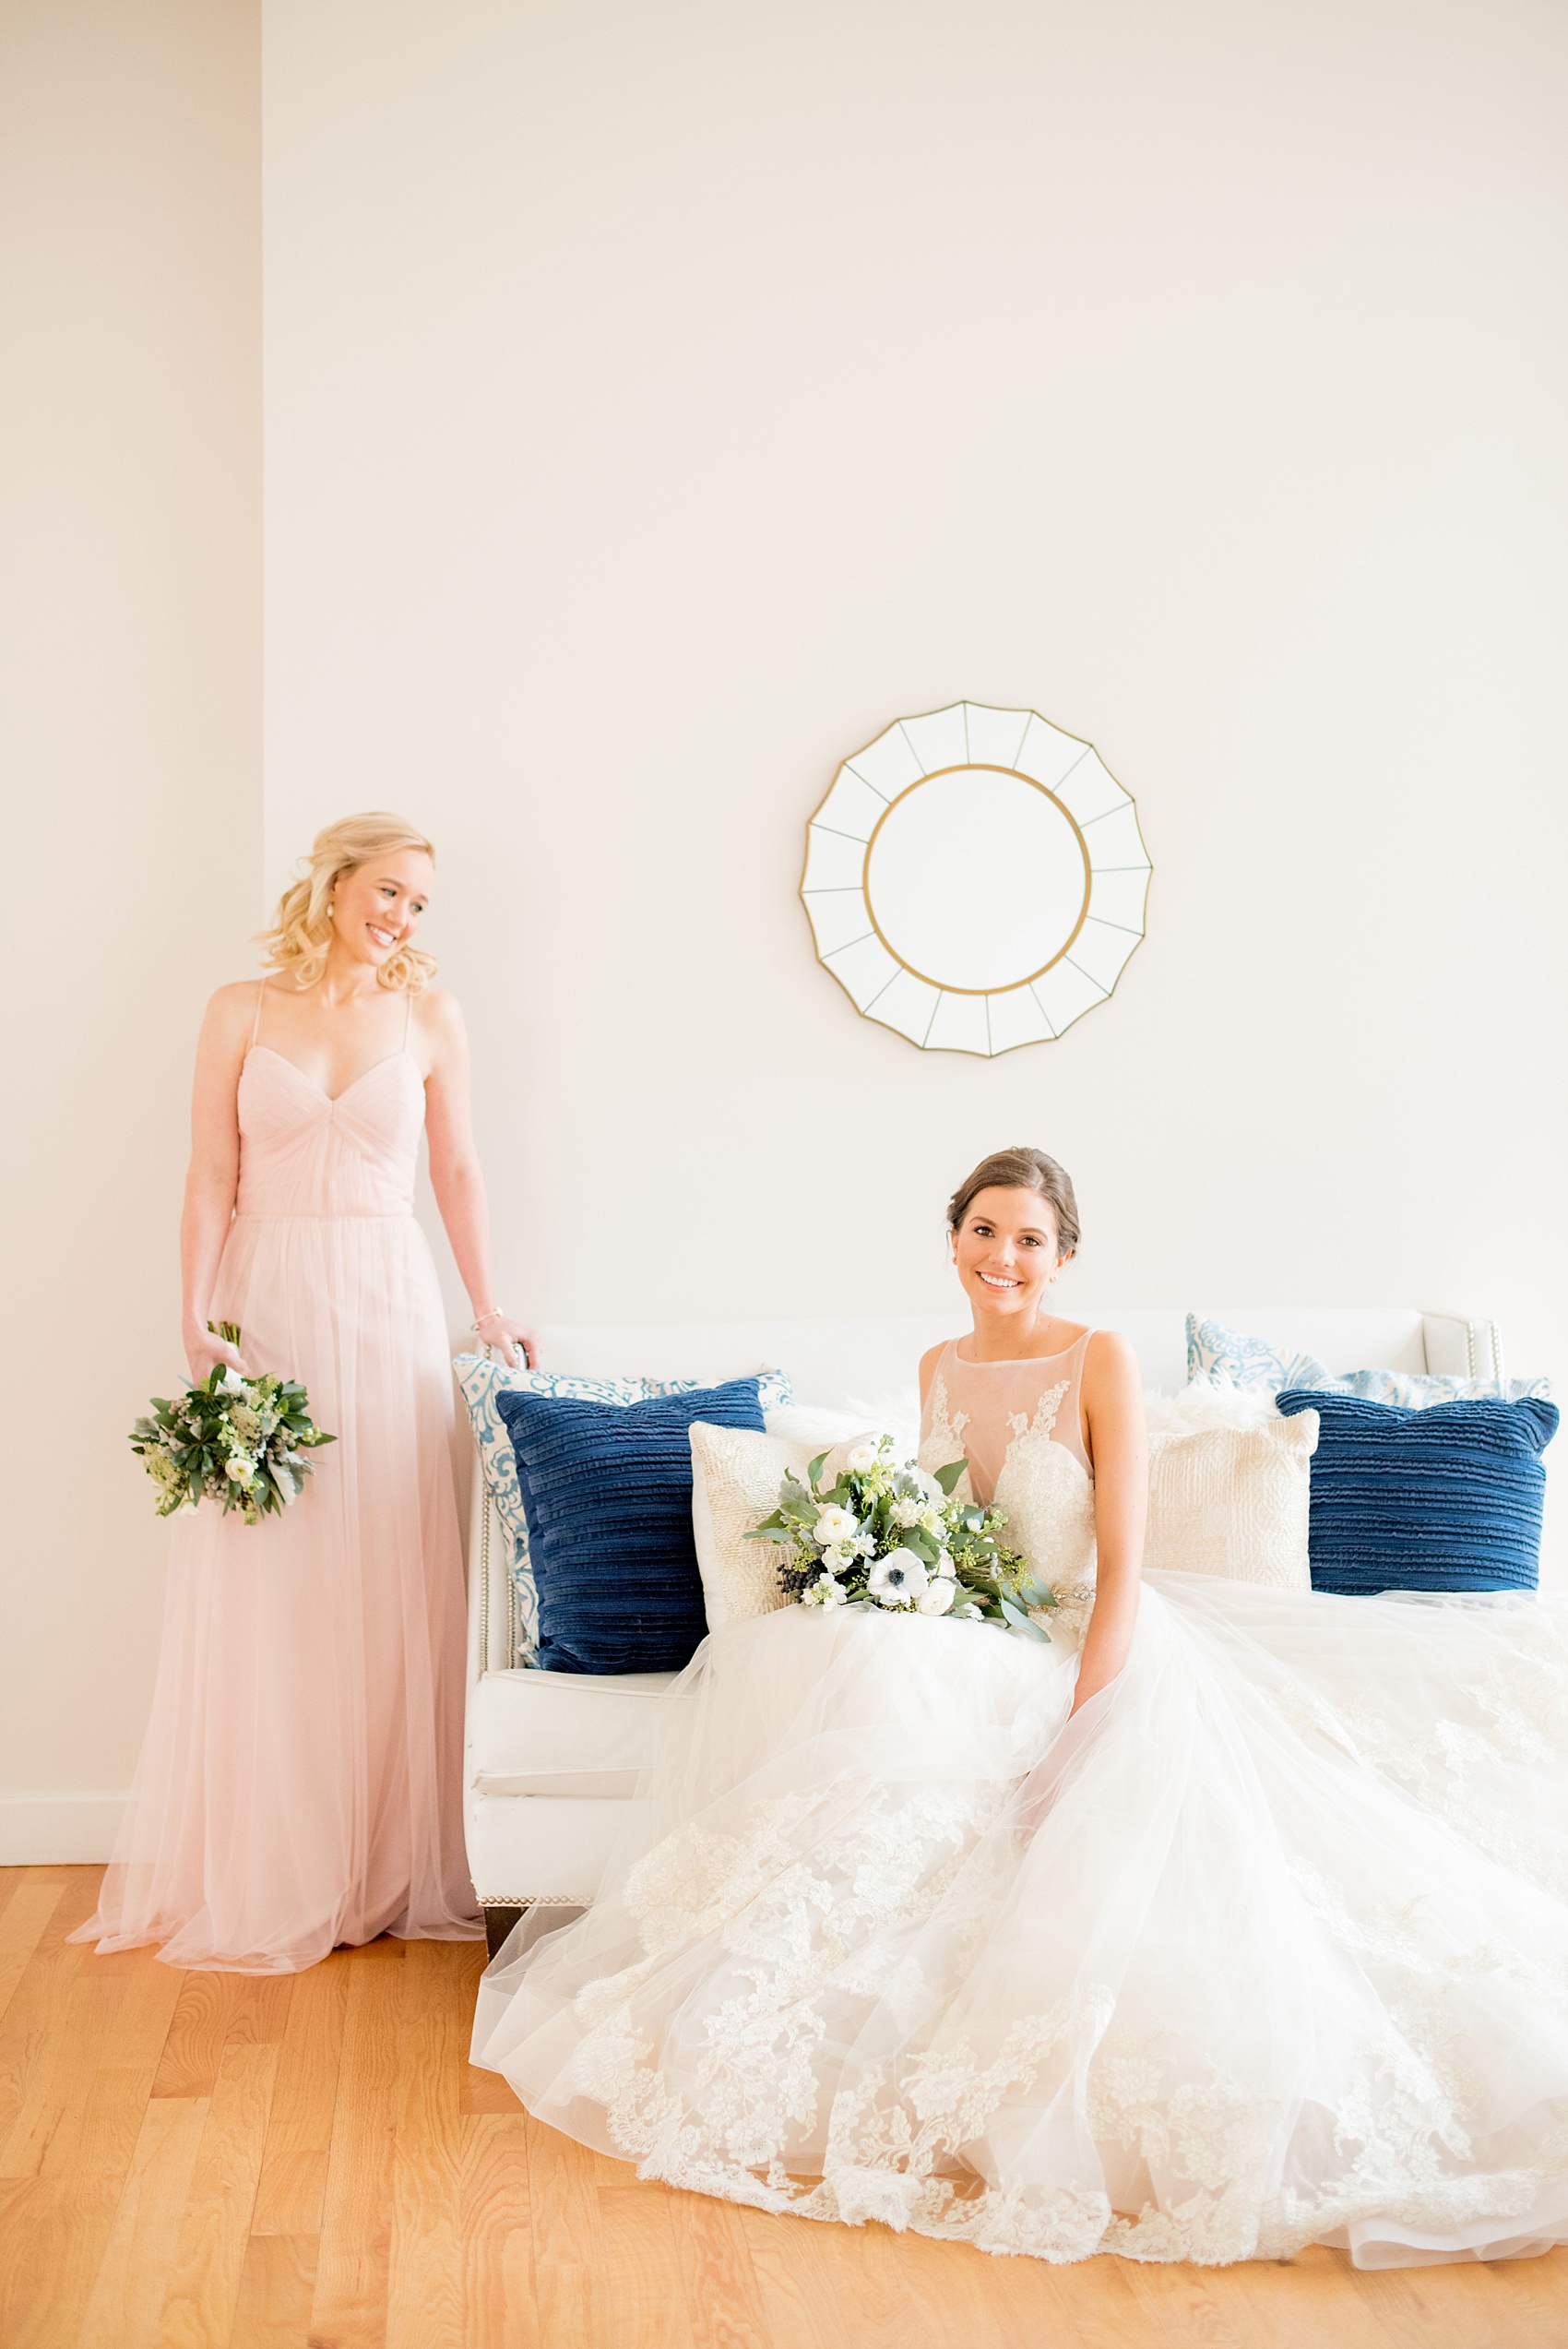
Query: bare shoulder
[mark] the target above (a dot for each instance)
(231, 1011)
(928, 1365)
(1110, 1362)
(438, 1017)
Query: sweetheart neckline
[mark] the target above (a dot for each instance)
(333, 1099)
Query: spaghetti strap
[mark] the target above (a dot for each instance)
(408, 1017)
(255, 1024)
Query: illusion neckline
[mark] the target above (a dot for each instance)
(1018, 1361)
(320, 1090)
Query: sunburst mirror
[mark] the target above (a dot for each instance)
(976, 879)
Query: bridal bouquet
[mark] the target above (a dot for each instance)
(890, 1534)
(242, 1440)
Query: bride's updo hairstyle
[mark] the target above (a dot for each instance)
(301, 929)
(1021, 1170)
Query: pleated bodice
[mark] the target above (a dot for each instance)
(304, 1153)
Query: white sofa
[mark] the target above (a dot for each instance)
(551, 1758)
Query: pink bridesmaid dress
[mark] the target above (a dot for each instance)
(299, 1785)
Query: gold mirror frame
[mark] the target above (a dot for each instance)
(1082, 964)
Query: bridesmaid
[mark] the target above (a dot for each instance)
(300, 1781)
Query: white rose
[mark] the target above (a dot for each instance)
(835, 1526)
(241, 1469)
(938, 1595)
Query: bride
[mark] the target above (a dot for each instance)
(1230, 1921)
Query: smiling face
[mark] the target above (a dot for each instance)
(376, 906)
(1006, 1252)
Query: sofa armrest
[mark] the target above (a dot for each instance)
(1457, 1347)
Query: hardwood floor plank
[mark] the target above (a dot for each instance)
(204, 2279)
(724, 2304)
(1299, 2303)
(796, 2281)
(349, 2308)
(1182, 2305)
(276, 2290)
(29, 2028)
(126, 2300)
(23, 1921)
(573, 2283)
(79, 2039)
(292, 2195)
(649, 2298)
(500, 2304)
(424, 2297)
(199, 2028)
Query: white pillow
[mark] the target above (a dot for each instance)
(1232, 1501)
(736, 1476)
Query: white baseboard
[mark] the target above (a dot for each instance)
(58, 1831)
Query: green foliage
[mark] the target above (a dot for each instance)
(239, 1441)
(835, 1543)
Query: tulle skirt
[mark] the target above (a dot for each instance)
(1267, 1946)
(300, 1782)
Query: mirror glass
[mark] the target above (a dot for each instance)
(976, 878)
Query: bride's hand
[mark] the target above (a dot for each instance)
(511, 1338)
(205, 1349)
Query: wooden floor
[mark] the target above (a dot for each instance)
(207, 2162)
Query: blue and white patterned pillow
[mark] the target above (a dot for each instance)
(1417, 1391)
(480, 1378)
(1214, 1352)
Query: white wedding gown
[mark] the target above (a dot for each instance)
(1268, 1947)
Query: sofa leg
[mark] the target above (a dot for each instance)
(498, 1923)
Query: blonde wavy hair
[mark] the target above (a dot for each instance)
(301, 929)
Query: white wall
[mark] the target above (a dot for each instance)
(130, 763)
(660, 400)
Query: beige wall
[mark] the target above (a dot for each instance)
(659, 400)
(130, 743)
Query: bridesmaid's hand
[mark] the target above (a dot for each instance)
(205, 1349)
(511, 1338)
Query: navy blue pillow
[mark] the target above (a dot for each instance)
(607, 1493)
(1448, 1499)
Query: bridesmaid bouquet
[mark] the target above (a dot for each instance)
(242, 1440)
(891, 1534)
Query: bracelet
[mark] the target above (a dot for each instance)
(494, 1312)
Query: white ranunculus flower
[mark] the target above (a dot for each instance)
(906, 1512)
(826, 1592)
(898, 1580)
(835, 1526)
(864, 1456)
(938, 1595)
(241, 1469)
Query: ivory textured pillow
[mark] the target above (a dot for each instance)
(735, 1481)
(1233, 1501)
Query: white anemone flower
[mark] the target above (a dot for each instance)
(835, 1526)
(826, 1592)
(896, 1581)
(938, 1595)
